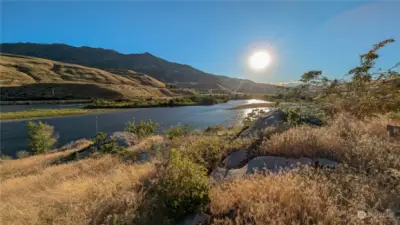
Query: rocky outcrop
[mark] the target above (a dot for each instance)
(236, 159)
(272, 119)
(123, 139)
(268, 164)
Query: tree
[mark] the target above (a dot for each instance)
(40, 137)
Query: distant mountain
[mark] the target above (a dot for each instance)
(162, 70)
(30, 78)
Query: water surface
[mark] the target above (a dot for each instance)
(70, 128)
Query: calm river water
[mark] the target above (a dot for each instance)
(70, 128)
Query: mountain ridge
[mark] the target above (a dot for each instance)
(147, 63)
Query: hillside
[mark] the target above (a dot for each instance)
(160, 69)
(23, 77)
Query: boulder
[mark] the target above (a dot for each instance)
(393, 130)
(313, 121)
(270, 164)
(123, 139)
(236, 159)
(219, 174)
(273, 118)
(275, 163)
(195, 219)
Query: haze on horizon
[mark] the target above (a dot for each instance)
(217, 36)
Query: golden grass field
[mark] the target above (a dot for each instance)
(90, 191)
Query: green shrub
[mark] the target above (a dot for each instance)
(23, 154)
(184, 186)
(40, 137)
(104, 145)
(5, 157)
(178, 131)
(204, 150)
(143, 129)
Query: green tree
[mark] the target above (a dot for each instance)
(143, 129)
(40, 137)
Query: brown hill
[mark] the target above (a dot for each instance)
(23, 77)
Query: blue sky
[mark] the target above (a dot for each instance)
(217, 36)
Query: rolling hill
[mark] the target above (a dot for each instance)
(146, 63)
(24, 77)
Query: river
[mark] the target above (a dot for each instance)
(70, 128)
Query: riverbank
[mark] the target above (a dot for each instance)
(38, 113)
(173, 102)
(43, 102)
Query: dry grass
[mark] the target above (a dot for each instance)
(306, 197)
(74, 193)
(360, 143)
(35, 164)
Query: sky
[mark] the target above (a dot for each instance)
(217, 36)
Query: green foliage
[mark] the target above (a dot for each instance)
(366, 91)
(204, 150)
(184, 186)
(41, 113)
(23, 154)
(296, 115)
(40, 137)
(178, 131)
(143, 129)
(105, 146)
(5, 157)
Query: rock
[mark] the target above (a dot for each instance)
(393, 130)
(272, 119)
(275, 164)
(219, 174)
(236, 159)
(195, 219)
(313, 121)
(123, 139)
(270, 164)
(144, 156)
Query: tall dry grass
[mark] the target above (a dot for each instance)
(359, 143)
(305, 197)
(76, 193)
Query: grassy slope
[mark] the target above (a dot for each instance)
(27, 77)
(34, 191)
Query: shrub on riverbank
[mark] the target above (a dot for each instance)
(41, 137)
(142, 129)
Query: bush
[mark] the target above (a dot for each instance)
(143, 129)
(23, 154)
(184, 187)
(40, 137)
(5, 157)
(204, 150)
(178, 131)
(104, 145)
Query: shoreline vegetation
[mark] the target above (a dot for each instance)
(37, 113)
(173, 102)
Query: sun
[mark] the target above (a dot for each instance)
(259, 60)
